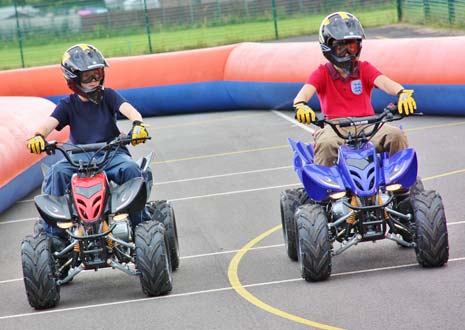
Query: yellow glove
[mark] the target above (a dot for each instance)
(138, 132)
(406, 104)
(36, 144)
(303, 113)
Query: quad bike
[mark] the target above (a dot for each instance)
(365, 196)
(94, 215)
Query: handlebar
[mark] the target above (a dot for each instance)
(390, 113)
(52, 146)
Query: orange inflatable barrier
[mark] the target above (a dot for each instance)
(124, 72)
(408, 61)
(19, 117)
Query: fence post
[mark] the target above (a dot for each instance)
(20, 38)
(191, 11)
(426, 10)
(451, 8)
(275, 19)
(218, 10)
(399, 11)
(147, 26)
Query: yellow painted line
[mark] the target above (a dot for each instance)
(271, 147)
(237, 286)
(265, 148)
(222, 154)
(203, 122)
(443, 174)
(435, 126)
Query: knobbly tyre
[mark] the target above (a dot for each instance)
(94, 214)
(365, 196)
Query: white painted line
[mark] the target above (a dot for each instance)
(223, 175)
(170, 296)
(12, 280)
(114, 303)
(234, 192)
(455, 223)
(231, 251)
(186, 198)
(15, 221)
(182, 258)
(218, 253)
(295, 122)
(201, 178)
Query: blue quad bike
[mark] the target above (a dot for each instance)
(365, 196)
(96, 232)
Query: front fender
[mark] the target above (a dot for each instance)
(53, 208)
(319, 181)
(130, 195)
(144, 164)
(401, 168)
(303, 155)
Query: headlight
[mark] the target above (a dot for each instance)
(394, 187)
(337, 195)
(65, 225)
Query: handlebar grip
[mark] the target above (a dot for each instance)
(320, 120)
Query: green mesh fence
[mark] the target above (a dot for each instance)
(436, 13)
(37, 32)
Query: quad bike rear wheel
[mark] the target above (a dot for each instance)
(163, 212)
(151, 258)
(431, 237)
(314, 246)
(290, 200)
(38, 271)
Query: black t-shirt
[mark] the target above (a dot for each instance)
(90, 122)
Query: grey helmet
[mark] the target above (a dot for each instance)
(78, 59)
(341, 27)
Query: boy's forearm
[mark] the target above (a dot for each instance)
(388, 85)
(47, 127)
(304, 94)
(130, 112)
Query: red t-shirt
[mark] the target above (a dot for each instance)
(348, 97)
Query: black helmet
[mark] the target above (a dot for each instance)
(78, 59)
(341, 28)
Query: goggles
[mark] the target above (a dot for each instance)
(89, 76)
(343, 47)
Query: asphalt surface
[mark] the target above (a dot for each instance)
(223, 173)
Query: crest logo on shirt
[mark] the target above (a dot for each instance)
(356, 86)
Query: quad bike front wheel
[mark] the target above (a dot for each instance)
(290, 200)
(314, 246)
(38, 271)
(152, 259)
(163, 212)
(431, 237)
(57, 245)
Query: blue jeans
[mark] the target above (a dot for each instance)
(120, 168)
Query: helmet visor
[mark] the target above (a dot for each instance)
(347, 47)
(90, 75)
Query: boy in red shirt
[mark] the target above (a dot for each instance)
(344, 88)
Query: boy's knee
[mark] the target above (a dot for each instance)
(131, 171)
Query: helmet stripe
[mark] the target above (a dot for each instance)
(343, 15)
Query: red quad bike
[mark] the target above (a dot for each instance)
(95, 216)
